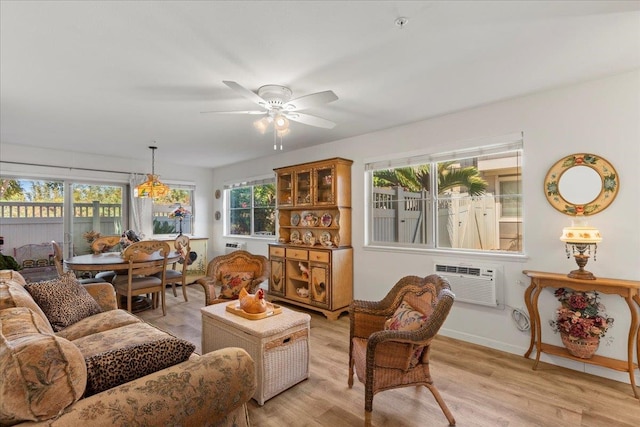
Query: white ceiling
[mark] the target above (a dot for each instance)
(111, 77)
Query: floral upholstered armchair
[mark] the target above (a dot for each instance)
(228, 274)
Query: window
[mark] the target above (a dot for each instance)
(66, 211)
(164, 219)
(468, 200)
(251, 208)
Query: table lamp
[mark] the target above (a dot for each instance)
(578, 240)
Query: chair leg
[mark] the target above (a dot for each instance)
(447, 413)
(162, 297)
(173, 286)
(184, 290)
(350, 372)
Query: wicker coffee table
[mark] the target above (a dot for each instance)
(278, 344)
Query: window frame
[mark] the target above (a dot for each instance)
(189, 220)
(252, 183)
(489, 146)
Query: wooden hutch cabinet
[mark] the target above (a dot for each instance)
(312, 265)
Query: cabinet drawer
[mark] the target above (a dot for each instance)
(276, 251)
(319, 256)
(297, 254)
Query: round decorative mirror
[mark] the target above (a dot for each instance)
(581, 184)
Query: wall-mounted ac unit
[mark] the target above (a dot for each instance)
(235, 246)
(474, 284)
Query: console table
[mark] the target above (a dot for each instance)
(627, 289)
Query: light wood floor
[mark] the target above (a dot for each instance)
(481, 386)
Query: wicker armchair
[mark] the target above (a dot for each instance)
(237, 261)
(387, 359)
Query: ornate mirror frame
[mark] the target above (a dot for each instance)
(563, 201)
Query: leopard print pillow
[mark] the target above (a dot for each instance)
(63, 300)
(114, 367)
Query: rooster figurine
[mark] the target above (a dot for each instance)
(252, 303)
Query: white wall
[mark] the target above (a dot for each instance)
(600, 117)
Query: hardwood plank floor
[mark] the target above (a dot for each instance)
(481, 386)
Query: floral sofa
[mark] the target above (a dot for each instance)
(61, 367)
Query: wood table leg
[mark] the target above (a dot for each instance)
(532, 326)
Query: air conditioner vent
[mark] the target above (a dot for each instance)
(235, 246)
(474, 284)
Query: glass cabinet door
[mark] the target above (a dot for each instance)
(303, 188)
(285, 189)
(324, 186)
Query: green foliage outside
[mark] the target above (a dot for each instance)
(53, 192)
(259, 199)
(417, 178)
(162, 227)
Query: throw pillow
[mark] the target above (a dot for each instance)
(406, 318)
(119, 366)
(233, 282)
(42, 374)
(63, 300)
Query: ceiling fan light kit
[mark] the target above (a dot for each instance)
(279, 108)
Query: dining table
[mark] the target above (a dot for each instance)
(113, 261)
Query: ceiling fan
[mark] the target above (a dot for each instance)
(279, 108)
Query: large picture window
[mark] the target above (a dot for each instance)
(251, 208)
(470, 200)
(67, 211)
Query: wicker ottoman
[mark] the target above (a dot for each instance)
(279, 345)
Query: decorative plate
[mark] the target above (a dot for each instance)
(326, 219)
(307, 236)
(309, 219)
(295, 235)
(325, 239)
(295, 219)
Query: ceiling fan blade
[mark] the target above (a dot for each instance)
(247, 93)
(235, 112)
(312, 100)
(310, 120)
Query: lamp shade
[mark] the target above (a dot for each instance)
(281, 123)
(152, 188)
(581, 234)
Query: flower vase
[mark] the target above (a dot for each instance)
(180, 233)
(583, 348)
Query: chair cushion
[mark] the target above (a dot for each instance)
(171, 275)
(406, 318)
(121, 282)
(42, 374)
(63, 300)
(233, 282)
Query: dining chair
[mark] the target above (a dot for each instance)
(177, 274)
(58, 262)
(141, 278)
(390, 339)
(105, 244)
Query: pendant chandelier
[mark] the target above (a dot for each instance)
(152, 187)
